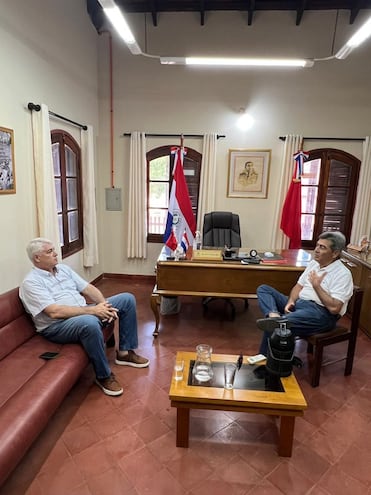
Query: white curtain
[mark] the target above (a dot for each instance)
(90, 254)
(137, 213)
(206, 200)
(362, 213)
(46, 203)
(292, 144)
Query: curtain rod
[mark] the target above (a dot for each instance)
(37, 108)
(283, 138)
(218, 136)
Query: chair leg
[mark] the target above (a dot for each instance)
(317, 364)
(205, 301)
(233, 309)
(208, 299)
(350, 357)
(111, 341)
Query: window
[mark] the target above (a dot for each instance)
(328, 193)
(160, 162)
(67, 179)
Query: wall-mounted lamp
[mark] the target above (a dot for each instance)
(244, 121)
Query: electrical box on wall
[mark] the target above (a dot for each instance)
(113, 199)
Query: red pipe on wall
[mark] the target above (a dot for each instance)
(111, 110)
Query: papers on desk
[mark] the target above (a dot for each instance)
(270, 257)
(302, 257)
(272, 261)
(207, 255)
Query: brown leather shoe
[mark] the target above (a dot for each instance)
(131, 359)
(110, 385)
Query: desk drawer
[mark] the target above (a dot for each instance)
(224, 279)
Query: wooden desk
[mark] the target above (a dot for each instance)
(287, 404)
(224, 278)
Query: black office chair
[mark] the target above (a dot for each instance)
(221, 229)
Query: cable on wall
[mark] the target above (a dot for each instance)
(111, 111)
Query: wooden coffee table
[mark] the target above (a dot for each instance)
(287, 404)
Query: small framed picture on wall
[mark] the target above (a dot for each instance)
(248, 173)
(7, 171)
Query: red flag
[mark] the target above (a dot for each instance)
(171, 241)
(181, 224)
(291, 211)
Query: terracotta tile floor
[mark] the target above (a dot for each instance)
(97, 445)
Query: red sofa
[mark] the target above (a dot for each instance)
(31, 388)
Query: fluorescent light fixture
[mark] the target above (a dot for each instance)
(359, 37)
(236, 62)
(107, 4)
(118, 21)
(343, 52)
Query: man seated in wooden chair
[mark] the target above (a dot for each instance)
(318, 299)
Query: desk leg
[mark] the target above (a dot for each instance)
(155, 304)
(286, 436)
(182, 427)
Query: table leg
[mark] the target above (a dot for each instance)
(155, 304)
(286, 436)
(182, 427)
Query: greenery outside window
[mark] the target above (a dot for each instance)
(67, 179)
(160, 163)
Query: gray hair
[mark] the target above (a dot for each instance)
(337, 240)
(36, 246)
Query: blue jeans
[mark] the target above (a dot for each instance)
(87, 330)
(307, 318)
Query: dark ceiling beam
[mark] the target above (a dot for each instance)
(300, 11)
(354, 11)
(155, 7)
(154, 12)
(250, 11)
(96, 14)
(202, 12)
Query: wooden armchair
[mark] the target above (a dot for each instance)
(318, 341)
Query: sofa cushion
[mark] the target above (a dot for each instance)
(25, 414)
(19, 367)
(16, 326)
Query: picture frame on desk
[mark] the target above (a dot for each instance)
(7, 171)
(248, 173)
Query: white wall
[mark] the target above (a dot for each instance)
(48, 55)
(330, 99)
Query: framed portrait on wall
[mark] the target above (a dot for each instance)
(248, 173)
(7, 171)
